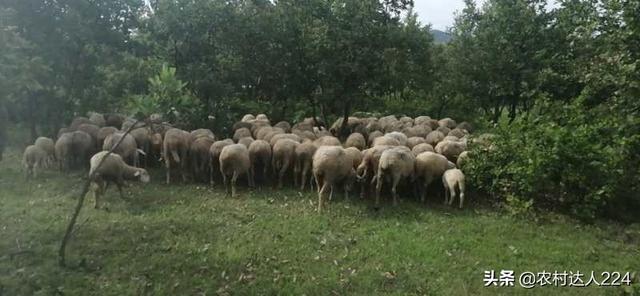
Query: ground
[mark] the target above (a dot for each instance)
(193, 240)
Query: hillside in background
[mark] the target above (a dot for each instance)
(441, 36)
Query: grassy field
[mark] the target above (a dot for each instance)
(192, 240)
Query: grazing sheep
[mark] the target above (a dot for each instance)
(260, 157)
(246, 141)
(284, 126)
(355, 154)
(465, 126)
(400, 137)
(114, 120)
(327, 141)
(242, 124)
(103, 133)
(113, 170)
(368, 168)
(462, 159)
(304, 134)
(262, 117)
(450, 149)
(128, 148)
(458, 133)
(214, 154)
(82, 147)
(256, 124)
(451, 179)
(199, 157)
(248, 118)
(444, 130)
(430, 166)
(372, 136)
(385, 141)
(234, 161)
(76, 122)
(332, 165)
(304, 161)
(202, 132)
(92, 130)
(49, 147)
(356, 140)
(33, 159)
(155, 153)
(421, 120)
(450, 139)
(63, 130)
(447, 122)
(413, 141)
(262, 132)
(175, 147)
(64, 150)
(424, 147)
(417, 131)
(279, 137)
(97, 119)
(142, 136)
(272, 134)
(395, 165)
(284, 154)
(434, 137)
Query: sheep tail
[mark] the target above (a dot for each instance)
(175, 155)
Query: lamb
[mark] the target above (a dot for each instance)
(33, 159)
(214, 154)
(284, 126)
(428, 167)
(395, 164)
(64, 150)
(434, 137)
(260, 156)
(279, 137)
(424, 147)
(199, 156)
(451, 179)
(128, 148)
(142, 136)
(413, 141)
(400, 137)
(332, 165)
(451, 149)
(385, 141)
(462, 159)
(284, 153)
(447, 122)
(246, 141)
(304, 161)
(327, 141)
(103, 133)
(112, 170)
(48, 146)
(175, 147)
(234, 161)
(356, 140)
(372, 136)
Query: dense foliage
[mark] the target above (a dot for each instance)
(560, 82)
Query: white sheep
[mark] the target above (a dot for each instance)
(332, 165)
(428, 167)
(395, 165)
(234, 161)
(33, 159)
(451, 179)
(113, 170)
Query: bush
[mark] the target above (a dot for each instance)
(561, 158)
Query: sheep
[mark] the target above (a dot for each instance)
(175, 147)
(112, 170)
(214, 154)
(260, 156)
(262, 117)
(428, 167)
(456, 132)
(246, 141)
(142, 136)
(284, 153)
(331, 165)
(417, 131)
(82, 147)
(242, 124)
(155, 152)
(421, 120)
(129, 122)
(444, 130)
(92, 130)
(33, 159)
(199, 156)
(327, 141)
(450, 139)
(355, 154)
(202, 132)
(385, 141)
(103, 133)
(369, 166)
(304, 159)
(271, 134)
(434, 137)
(248, 117)
(304, 134)
(97, 119)
(256, 124)
(48, 146)
(62, 130)
(396, 164)
(241, 133)
(424, 147)
(400, 137)
(413, 141)
(262, 132)
(128, 148)
(64, 150)
(447, 122)
(284, 126)
(234, 161)
(279, 137)
(372, 136)
(462, 159)
(114, 120)
(451, 179)
(356, 140)
(450, 149)
(76, 122)
(465, 126)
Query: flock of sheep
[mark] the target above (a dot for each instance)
(387, 150)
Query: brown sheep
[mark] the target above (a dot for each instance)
(199, 157)
(64, 151)
(304, 160)
(372, 136)
(417, 149)
(430, 166)
(284, 154)
(103, 133)
(128, 148)
(202, 132)
(82, 147)
(447, 122)
(331, 165)
(246, 141)
(434, 137)
(142, 135)
(214, 154)
(413, 141)
(356, 140)
(92, 130)
(175, 148)
(49, 147)
(33, 159)
(260, 157)
(284, 126)
(279, 137)
(395, 165)
(241, 133)
(113, 170)
(234, 161)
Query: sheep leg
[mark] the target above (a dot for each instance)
(97, 193)
(252, 176)
(305, 171)
(396, 180)
(211, 171)
(119, 184)
(234, 178)
(320, 199)
(296, 174)
(379, 179)
(225, 181)
(167, 164)
(452, 194)
(183, 166)
(283, 170)
(427, 181)
(331, 193)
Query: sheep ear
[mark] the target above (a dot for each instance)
(136, 174)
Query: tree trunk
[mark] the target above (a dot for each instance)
(512, 112)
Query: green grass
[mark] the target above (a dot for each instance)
(192, 240)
